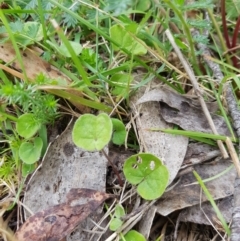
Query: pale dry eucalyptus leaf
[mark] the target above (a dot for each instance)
(184, 111)
(206, 214)
(65, 166)
(169, 148)
(146, 222)
(183, 195)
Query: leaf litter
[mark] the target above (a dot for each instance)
(56, 222)
(64, 167)
(186, 114)
(56, 175)
(161, 103)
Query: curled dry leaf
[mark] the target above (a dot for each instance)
(56, 222)
(185, 194)
(34, 65)
(169, 148)
(184, 111)
(204, 214)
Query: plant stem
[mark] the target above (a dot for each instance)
(234, 42)
(114, 167)
(224, 23)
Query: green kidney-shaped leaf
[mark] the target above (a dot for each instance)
(92, 132)
(27, 125)
(143, 5)
(115, 224)
(126, 40)
(27, 169)
(119, 132)
(116, 221)
(63, 50)
(77, 48)
(121, 84)
(133, 235)
(149, 173)
(31, 152)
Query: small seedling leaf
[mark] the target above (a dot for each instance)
(62, 49)
(115, 224)
(92, 132)
(119, 132)
(121, 84)
(30, 153)
(143, 5)
(148, 172)
(116, 221)
(126, 40)
(27, 125)
(27, 169)
(133, 236)
(77, 47)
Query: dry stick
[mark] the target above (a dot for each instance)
(235, 114)
(197, 90)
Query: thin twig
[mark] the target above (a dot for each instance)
(235, 114)
(233, 155)
(113, 167)
(197, 90)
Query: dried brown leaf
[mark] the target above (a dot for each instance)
(56, 222)
(34, 65)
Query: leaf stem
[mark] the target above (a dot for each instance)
(114, 167)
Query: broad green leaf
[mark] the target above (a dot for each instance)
(92, 132)
(31, 152)
(62, 49)
(77, 47)
(133, 235)
(27, 125)
(148, 172)
(119, 132)
(126, 40)
(143, 5)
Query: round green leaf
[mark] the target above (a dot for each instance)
(27, 125)
(119, 132)
(116, 221)
(92, 132)
(126, 40)
(149, 173)
(27, 169)
(121, 84)
(77, 48)
(30, 152)
(133, 235)
(115, 224)
(143, 5)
